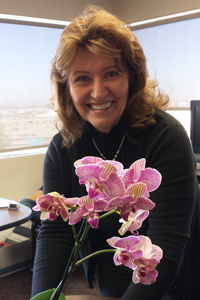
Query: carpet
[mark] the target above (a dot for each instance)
(17, 286)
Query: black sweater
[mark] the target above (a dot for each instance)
(174, 222)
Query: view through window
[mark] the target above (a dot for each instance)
(172, 52)
(26, 115)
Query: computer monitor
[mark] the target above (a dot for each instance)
(195, 127)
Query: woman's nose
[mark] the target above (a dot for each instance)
(99, 89)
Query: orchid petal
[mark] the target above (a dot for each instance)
(93, 220)
(114, 186)
(77, 215)
(87, 202)
(126, 258)
(136, 190)
(134, 222)
(88, 172)
(107, 170)
(44, 215)
(151, 177)
(87, 160)
(144, 203)
(119, 202)
(99, 205)
(36, 207)
(131, 175)
(131, 243)
(112, 241)
(144, 276)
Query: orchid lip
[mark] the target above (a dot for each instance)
(100, 106)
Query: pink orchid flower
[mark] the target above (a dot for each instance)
(128, 249)
(145, 275)
(134, 222)
(145, 271)
(89, 208)
(100, 177)
(138, 173)
(133, 200)
(53, 204)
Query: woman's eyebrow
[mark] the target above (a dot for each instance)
(109, 67)
(88, 73)
(81, 72)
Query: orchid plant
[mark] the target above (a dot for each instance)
(110, 189)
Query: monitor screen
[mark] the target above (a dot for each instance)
(195, 125)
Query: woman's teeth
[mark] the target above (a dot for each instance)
(101, 106)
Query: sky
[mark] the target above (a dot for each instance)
(25, 56)
(173, 57)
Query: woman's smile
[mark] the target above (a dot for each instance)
(100, 106)
(98, 88)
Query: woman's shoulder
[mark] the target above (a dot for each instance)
(167, 127)
(57, 139)
(163, 117)
(56, 144)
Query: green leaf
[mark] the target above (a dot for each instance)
(46, 295)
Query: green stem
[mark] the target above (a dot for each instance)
(114, 211)
(75, 232)
(74, 254)
(78, 263)
(73, 263)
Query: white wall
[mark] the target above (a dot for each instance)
(20, 176)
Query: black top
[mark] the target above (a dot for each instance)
(174, 222)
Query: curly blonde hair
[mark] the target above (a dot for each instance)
(103, 34)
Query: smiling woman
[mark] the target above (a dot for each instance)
(98, 88)
(108, 106)
(107, 58)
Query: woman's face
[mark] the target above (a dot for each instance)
(98, 89)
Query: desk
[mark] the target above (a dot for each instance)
(13, 218)
(18, 256)
(89, 297)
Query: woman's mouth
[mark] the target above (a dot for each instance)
(101, 106)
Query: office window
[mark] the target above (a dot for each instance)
(172, 52)
(26, 115)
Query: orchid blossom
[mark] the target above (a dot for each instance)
(134, 199)
(89, 208)
(139, 254)
(138, 173)
(100, 177)
(53, 204)
(128, 249)
(145, 271)
(134, 222)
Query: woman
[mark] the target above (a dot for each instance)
(108, 107)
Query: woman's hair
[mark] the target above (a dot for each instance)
(103, 34)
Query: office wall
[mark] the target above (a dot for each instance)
(129, 10)
(20, 176)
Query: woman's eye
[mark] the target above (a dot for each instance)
(112, 74)
(82, 79)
